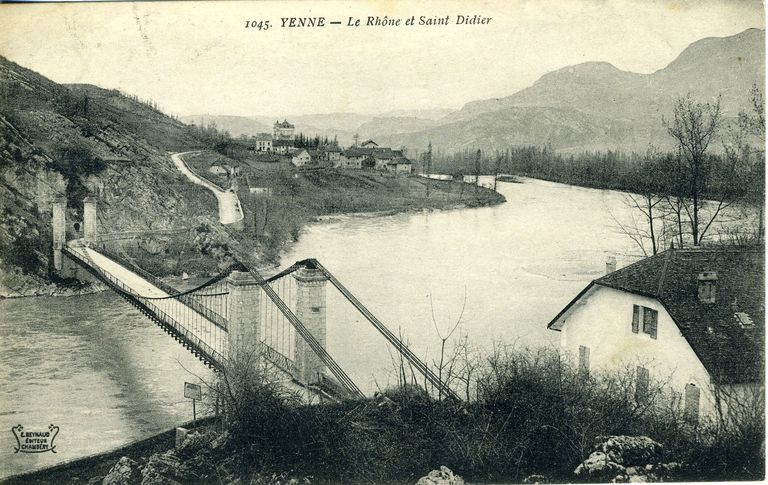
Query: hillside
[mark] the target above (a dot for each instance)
(235, 125)
(74, 141)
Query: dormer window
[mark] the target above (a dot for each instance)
(647, 317)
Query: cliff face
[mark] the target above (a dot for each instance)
(75, 141)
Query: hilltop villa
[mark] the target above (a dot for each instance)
(691, 319)
(283, 131)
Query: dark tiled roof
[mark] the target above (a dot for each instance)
(729, 351)
(262, 137)
(283, 143)
(357, 152)
(400, 161)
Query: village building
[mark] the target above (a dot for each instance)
(283, 130)
(262, 142)
(223, 169)
(283, 146)
(353, 157)
(400, 165)
(301, 158)
(384, 156)
(369, 144)
(691, 319)
(332, 154)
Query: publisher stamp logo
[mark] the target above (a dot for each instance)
(34, 441)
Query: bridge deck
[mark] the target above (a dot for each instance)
(199, 326)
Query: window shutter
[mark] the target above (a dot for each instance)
(641, 385)
(650, 321)
(635, 318)
(692, 394)
(583, 361)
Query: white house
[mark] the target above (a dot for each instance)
(690, 319)
(369, 144)
(301, 158)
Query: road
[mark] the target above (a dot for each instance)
(230, 210)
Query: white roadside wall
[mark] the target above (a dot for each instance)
(602, 321)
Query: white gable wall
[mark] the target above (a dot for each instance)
(602, 321)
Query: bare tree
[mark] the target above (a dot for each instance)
(443, 339)
(694, 127)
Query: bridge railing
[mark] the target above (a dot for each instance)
(151, 309)
(186, 297)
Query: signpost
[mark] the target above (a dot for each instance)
(194, 392)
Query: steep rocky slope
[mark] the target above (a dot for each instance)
(74, 141)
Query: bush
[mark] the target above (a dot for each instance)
(534, 414)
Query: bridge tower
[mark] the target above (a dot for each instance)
(89, 219)
(59, 222)
(243, 323)
(311, 310)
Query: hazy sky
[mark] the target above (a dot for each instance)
(198, 57)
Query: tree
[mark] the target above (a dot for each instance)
(694, 127)
(477, 169)
(428, 161)
(649, 224)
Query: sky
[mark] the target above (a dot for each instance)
(198, 57)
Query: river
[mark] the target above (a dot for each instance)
(105, 375)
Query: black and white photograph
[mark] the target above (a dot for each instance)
(393, 242)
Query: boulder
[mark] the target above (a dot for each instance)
(633, 459)
(630, 450)
(443, 476)
(124, 472)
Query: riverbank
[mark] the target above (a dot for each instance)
(274, 221)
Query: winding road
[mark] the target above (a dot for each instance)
(230, 210)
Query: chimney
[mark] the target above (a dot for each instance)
(610, 265)
(707, 286)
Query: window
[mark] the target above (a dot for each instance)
(583, 361)
(692, 395)
(650, 321)
(648, 316)
(642, 383)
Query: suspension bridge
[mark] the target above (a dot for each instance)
(281, 318)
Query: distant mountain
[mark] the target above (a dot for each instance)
(430, 114)
(384, 126)
(588, 106)
(616, 109)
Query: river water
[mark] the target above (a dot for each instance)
(105, 375)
